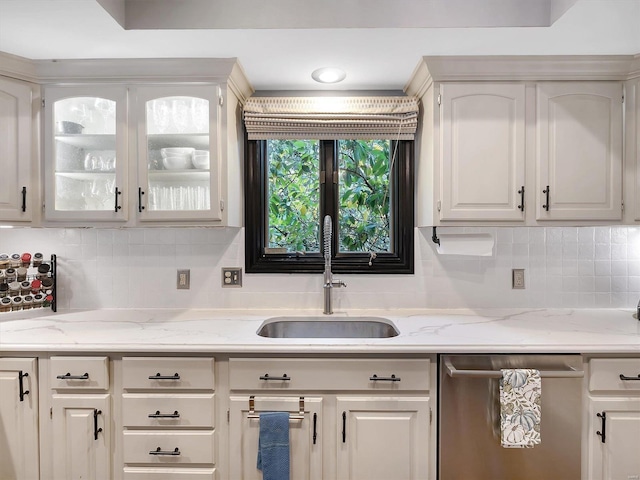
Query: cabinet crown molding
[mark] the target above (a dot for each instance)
(521, 68)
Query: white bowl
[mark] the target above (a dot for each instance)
(201, 162)
(186, 151)
(177, 162)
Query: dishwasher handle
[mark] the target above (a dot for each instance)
(452, 371)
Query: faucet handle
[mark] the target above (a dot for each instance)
(338, 283)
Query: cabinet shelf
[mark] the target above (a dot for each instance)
(178, 175)
(84, 175)
(198, 141)
(92, 141)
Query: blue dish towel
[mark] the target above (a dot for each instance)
(273, 446)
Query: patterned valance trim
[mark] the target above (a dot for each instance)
(331, 117)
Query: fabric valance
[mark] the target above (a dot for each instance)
(331, 117)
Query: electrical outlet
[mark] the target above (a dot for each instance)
(232, 277)
(184, 279)
(517, 278)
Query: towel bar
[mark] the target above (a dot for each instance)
(292, 416)
(454, 372)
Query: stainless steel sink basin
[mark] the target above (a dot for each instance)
(327, 327)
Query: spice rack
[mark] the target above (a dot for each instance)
(27, 283)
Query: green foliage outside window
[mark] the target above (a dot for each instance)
(294, 195)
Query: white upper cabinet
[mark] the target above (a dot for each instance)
(579, 151)
(178, 131)
(482, 151)
(17, 196)
(85, 135)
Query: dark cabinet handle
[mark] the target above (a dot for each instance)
(140, 193)
(344, 427)
(117, 207)
(521, 192)
(159, 451)
(392, 378)
(283, 378)
(68, 376)
(315, 427)
(625, 378)
(157, 376)
(603, 433)
(24, 199)
(546, 192)
(23, 392)
(175, 414)
(96, 430)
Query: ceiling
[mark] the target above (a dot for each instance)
(280, 42)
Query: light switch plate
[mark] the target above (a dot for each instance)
(517, 278)
(231, 277)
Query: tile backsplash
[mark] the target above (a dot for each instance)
(136, 268)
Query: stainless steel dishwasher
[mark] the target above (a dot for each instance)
(469, 414)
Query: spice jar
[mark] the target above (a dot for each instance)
(27, 302)
(47, 284)
(4, 261)
(16, 303)
(5, 304)
(26, 260)
(14, 289)
(21, 274)
(15, 260)
(10, 275)
(35, 286)
(43, 270)
(4, 290)
(37, 259)
(37, 300)
(25, 288)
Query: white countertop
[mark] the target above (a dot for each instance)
(421, 331)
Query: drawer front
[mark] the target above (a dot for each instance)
(329, 374)
(168, 410)
(72, 373)
(162, 373)
(605, 374)
(193, 447)
(169, 474)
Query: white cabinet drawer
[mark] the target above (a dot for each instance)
(168, 410)
(67, 373)
(169, 473)
(328, 374)
(153, 373)
(606, 374)
(192, 447)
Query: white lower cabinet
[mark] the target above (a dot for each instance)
(383, 438)
(81, 446)
(305, 435)
(363, 418)
(19, 419)
(613, 442)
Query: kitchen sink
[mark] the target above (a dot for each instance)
(325, 327)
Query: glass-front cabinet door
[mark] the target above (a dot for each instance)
(178, 153)
(85, 153)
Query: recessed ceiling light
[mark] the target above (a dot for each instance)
(328, 75)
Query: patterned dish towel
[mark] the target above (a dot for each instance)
(520, 390)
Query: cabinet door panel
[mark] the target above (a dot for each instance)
(383, 438)
(482, 151)
(15, 151)
(77, 453)
(305, 455)
(617, 457)
(580, 151)
(18, 420)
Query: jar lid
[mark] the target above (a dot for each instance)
(26, 256)
(39, 297)
(14, 286)
(15, 256)
(10, 271)
(4, 287)
(28, 299)
(36, 283)
(16, 300)
(44, 268)
(21, 271)
(47, 282)
(25, 284)
(4, 256)
(37, 255)
(5, 301)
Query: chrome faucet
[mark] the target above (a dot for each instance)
(329, 282)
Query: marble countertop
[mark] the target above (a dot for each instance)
(233, 331)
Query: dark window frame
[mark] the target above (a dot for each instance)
(401, 261)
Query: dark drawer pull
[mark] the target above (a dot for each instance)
(164, 415)
(283, 378)
(625, 378)
(157, 376)
(96, 430)
(159, 451)
(68, 376)
(392, 378)
(23, 392)
(602, 434)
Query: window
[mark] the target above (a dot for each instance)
(366, 186)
